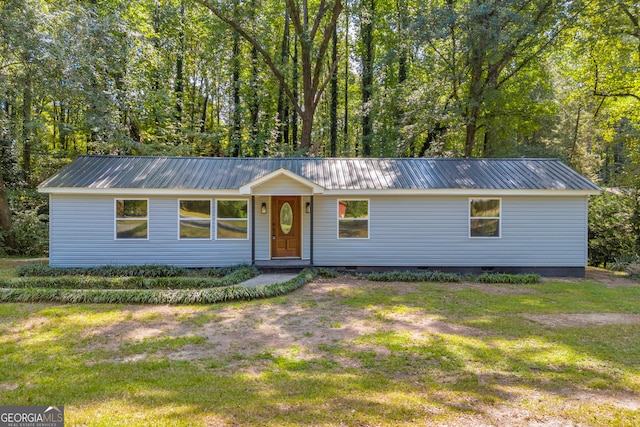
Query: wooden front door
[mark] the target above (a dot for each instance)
(285, 227)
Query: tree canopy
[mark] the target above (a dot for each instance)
(393, 78)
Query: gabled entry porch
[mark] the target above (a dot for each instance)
(282, 220)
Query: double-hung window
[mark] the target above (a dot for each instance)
(353, 219)
(132, 218)
(484, 217)
(232, 219)
(195, 219)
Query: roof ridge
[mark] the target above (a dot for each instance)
(129, 156)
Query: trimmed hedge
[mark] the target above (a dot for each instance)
(147, 270)
(150, 296)
(89, 282)
(439, 276)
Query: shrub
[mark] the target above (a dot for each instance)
(149, 296)
(133, 282)
(149, 271)
(507, 278)
(29, 234)
(438, 276)
(613, 231)
(410, 276)
(630, 264)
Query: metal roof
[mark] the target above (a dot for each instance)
(203, 173)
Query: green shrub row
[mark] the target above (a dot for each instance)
(148, 270)
(411, 276)
(90, 282)
(441, 277)
(150, 296)
(518, 279)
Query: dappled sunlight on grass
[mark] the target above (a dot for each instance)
(351, 354)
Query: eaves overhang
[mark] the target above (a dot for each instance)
(321, 191)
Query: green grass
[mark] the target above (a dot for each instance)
(123, 365)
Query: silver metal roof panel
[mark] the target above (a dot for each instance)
(202, 173)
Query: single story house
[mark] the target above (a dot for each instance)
(512, 215)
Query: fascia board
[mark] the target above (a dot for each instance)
(247, 188)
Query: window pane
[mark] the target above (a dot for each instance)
(485, 228)
(232, 209)
(195, 209)
(486, 207)
(131, 229)
(195, 229)
(232, 229)
(286, 218)
(353, 209)
(354, 229)
(131, 208)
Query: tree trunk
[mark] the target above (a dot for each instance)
(471, 129)
(203, 117)
(282, 129)
(27, 102)
(254, 106)
(178, 88)
(307, 126)
(401, 7)
(333, 113)
(235, 137)
(474, 102)
(574, 143)
(294, 83)
(367, 77)
(345, 124)
(5, 214)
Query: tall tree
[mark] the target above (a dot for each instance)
(313, 42)
(367, 13)
(504, 38)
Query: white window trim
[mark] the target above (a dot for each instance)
(116, 219)
(196, 218)
(338, 219)
(248, 218)
(499, 218)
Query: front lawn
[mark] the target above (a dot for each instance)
(340, 351)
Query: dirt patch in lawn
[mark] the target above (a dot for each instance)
(307, 320)
(610, 278)
(584, 319)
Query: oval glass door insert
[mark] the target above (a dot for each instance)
(286, 218)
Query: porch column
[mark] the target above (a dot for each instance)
(253, 230)
(311, 230)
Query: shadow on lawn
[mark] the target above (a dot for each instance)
(315, 357)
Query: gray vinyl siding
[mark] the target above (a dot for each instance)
(537, 231)
(263, 229)
(434, 231)
(82, 234)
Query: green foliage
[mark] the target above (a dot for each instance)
(410, 276)
(148, 270)
(30, 230)
(630, 264)
(612, 229)
(149, 279)
(438, 276)
(516, 279)
(152, 296)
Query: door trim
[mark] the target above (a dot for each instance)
(274, 215)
